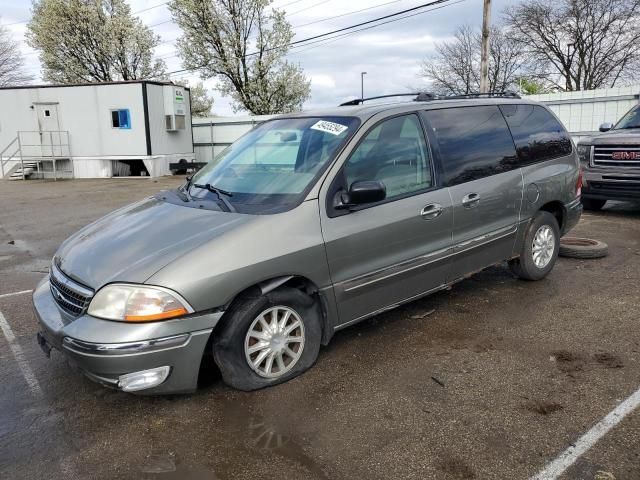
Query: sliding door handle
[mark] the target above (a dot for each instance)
(471, 200)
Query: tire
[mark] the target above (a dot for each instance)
(230, 344)
(574, 247)
(592, 204)
(525, 266)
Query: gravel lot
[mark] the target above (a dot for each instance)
(490, 380)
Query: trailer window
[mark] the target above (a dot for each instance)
(120, 118)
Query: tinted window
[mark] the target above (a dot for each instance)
(395, 153)
(537, 134)
(474, 142)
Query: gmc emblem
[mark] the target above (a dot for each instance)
(625, 155)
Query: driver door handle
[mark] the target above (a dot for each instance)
(471, 200)
(431, 211)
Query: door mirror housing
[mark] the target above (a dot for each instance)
(606, 126)
(361, 193)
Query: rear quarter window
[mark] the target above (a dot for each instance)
(537, 134)
(473, 142)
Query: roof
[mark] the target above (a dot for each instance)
(365, 111)
(95, 84)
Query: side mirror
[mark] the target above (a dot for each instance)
(606, 126)
(361, 193)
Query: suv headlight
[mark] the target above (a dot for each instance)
(137, 303)
(584, 152)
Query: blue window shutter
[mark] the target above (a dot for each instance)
(125, 119)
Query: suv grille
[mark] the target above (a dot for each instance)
(616, 156)
(70, 296)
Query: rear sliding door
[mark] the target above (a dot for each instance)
(481, 169)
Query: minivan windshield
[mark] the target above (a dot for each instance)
(272, 167)
(630, 120)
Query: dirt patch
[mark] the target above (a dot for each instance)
(567, 362)
(543, 407)
(608, 360)
(456, 467)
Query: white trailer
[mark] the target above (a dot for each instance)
(96, 130)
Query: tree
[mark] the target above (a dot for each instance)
(532, 86)
(92, 41)
(581, 44)
(11, 61)
(201, 101)
(243, 45)
(455, 68)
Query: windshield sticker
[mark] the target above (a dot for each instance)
(329, 127)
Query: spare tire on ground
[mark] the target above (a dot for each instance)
(575, 247)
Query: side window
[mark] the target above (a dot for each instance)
(537, 134)
(121, 119)
(474, 142)
(395, 153)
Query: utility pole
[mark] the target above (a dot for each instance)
(362, 74)
(484, 58)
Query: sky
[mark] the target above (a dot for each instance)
(390, 54)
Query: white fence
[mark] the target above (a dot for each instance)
(212, 135)
(581, 112)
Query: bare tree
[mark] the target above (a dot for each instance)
(11, 61)
(455, 68)
(581, 44)
(92, 41)
(243, 45)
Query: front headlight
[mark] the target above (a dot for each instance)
(584, 152)
(137, 303)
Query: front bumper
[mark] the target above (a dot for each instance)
(104, 350)
(611, 184)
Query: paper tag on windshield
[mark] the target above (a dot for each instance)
(329, 127)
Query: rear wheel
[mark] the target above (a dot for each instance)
(592, 203)
(268, 339)
(540, 250)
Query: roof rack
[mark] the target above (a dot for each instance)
(426, 96)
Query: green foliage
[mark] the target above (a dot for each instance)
(242, 45)
(92, 41)
(201, 101)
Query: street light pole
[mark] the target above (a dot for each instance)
(484, 55)
(362, 74)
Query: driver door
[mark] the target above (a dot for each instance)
(392, 251)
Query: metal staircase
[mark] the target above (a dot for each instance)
(37, 154)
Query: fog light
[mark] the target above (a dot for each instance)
(132, 382)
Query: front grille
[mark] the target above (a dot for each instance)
(614, 156)
(70, 296)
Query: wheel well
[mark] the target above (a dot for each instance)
(291, 281)
(557, 210)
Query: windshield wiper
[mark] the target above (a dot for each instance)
(219, 192)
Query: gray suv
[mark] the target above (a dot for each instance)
(611, 162)
(308, 224)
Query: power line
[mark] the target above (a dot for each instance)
(319, 43)
(132, 13)
(346, 14)
(327, 34)
(307, 8)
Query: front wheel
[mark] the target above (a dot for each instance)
(268, 339)
(540, 250)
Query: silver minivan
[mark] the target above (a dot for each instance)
(308, 224)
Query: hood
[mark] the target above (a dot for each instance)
(131, 244)
(618, 137)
